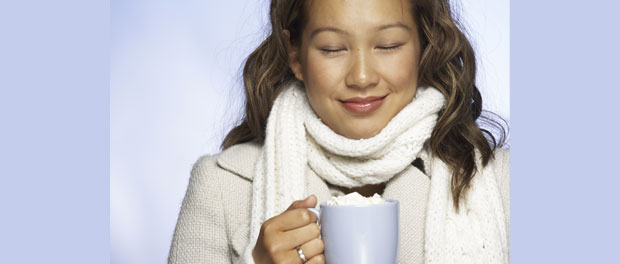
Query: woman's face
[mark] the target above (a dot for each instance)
(358, 60)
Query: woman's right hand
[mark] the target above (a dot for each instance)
(281, 235)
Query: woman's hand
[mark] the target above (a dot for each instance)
(281, 235)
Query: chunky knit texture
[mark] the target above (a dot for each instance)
(477, 233)
(296, 137)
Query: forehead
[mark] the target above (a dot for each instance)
(358, 13)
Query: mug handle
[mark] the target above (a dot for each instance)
(316, 212)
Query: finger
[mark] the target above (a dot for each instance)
(296, 218)
(313, 248)
(318, 259)
(301, 235)
(309, 202)
(292, 256)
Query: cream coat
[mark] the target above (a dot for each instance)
(214, 223)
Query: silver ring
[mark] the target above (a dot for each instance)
(301, 254)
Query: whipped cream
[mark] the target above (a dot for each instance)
(355, 198)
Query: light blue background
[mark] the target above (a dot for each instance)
(174, 92)
(564, 156)
(54, 139)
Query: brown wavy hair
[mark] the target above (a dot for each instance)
(447, 63)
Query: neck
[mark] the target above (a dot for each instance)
(366, 190)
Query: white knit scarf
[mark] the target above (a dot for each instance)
(296, 137)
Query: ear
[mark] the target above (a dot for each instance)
(294, 61)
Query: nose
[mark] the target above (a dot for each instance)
(362, 73)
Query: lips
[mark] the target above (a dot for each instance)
(365, 105)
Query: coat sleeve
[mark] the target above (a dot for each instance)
(200, 234)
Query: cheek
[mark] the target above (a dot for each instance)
(321, 78)
(401, 70)
(321, 72)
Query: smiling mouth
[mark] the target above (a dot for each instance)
(364, 105)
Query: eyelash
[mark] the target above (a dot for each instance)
(328, 51)
(390, 48)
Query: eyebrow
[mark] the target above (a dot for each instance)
(342, 32)
(327, 29)
(398, 25)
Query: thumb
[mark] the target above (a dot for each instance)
(309, 202)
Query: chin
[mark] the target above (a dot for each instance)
(361, 132)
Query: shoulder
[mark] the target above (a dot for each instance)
(213, 173)
(502, 154)
(501, 162)
(501, 166)
(238, 159)
(227, 178)
(216, 209)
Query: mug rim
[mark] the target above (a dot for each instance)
(390, 202)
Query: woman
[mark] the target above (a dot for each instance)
(367, 96)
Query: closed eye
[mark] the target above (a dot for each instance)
(331, 51)
(390, 48)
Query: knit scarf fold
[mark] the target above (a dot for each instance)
(296, 138)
